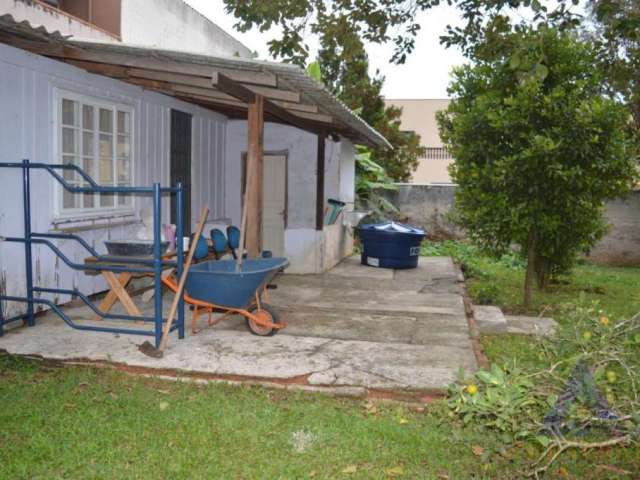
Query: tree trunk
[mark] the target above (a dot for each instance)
(531, 268)
(542, 272)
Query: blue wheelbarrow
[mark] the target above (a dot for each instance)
(222, 286)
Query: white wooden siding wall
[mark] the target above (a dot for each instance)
(27, 89)
(207, 174)
(302, 153)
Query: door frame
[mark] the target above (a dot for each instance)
(187, 220)
(243, 174)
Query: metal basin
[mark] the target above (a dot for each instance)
(133, 248)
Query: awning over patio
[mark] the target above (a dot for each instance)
(255, 90)
(227, 85)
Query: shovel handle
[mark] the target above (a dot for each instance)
(183, 279)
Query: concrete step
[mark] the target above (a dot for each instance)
(543, 326)
(490, 319)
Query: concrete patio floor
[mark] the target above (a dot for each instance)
(354, 330)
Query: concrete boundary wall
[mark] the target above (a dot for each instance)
(430, 206)
(621, 246)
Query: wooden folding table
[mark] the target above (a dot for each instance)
(118, 284)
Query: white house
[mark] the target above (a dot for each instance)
(166, 24)
(138, 115)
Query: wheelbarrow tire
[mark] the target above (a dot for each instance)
(259, 329)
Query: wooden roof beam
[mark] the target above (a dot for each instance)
(133, 58)
(243, 93)
(300, 107)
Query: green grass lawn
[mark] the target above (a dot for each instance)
(500, 282)
(78, 422)
(81, 422)
(86, 423)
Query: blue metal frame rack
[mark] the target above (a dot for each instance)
(153, 266)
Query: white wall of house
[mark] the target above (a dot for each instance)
(308, 250)
(28, 86)
(174, 25)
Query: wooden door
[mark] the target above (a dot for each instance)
(274, 214)
(181, 164)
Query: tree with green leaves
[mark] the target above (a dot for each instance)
(341, 23)
(340, 28)
(353, 85)
(618, 38)
(538, 149)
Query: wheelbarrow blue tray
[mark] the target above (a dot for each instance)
(220, 282)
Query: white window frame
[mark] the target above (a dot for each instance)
(97, 103)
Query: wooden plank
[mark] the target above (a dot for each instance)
(110, 299)
(230, 109)
(320, 182)
(173, 77)
(298, 107)
(241, 92)
(113, 71)
(275, 93)
(138, 58)
(229, 86)
(255, 159)
(240, 106)
(317, 117)
(313, 126)
(164, 75)
(172, 88)
(121, 293)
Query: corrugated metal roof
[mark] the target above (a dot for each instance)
(289, 77)
(26, 30)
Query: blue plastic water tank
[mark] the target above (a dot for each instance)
(390, 245)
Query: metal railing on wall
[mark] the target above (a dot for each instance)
(437, 153)
(151, 266)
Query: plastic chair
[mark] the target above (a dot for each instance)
(219, 242)
(202, 248)
(233, 234)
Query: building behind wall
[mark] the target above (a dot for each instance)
(162, 24)
(419, 116)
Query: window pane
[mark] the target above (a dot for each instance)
(106, 145)
(87, 143)
(106, 200)
(69, 140)
(99, 140)
(106, 170)
(89, 200)
(87, 117)
(69, 112)
(124, 146)
(123, 169)
(106, 120)
(124, 199)
(87, 165)
(70, 175)
(69, 199)
(124, 122)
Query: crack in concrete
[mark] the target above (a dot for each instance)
(318, 348)
(378, 375)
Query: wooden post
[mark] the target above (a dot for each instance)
(254, 176)
(322, 137)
